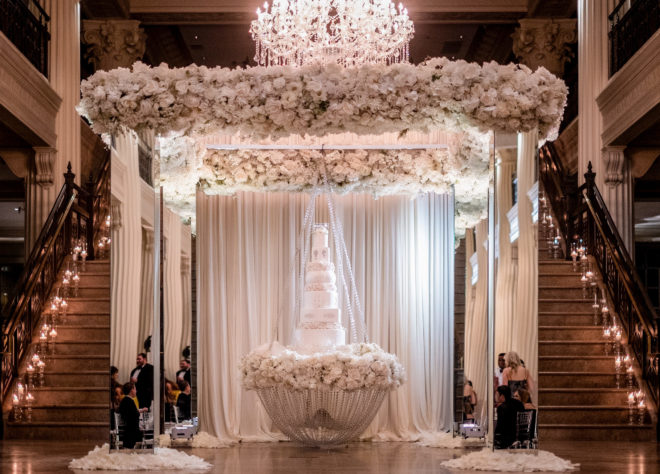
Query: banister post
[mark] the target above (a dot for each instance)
(590, 181)
(69, 176)
(91, 189)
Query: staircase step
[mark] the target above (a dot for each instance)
(95, 266)
(583, 414)
(596, 432)
(64, 413)
(89, 305)
(573, 278)
(576, 348)
(566, 305)
(570, 333)
(94, 279)
(562, 363)
(578, 379)
(87, 319)
(554, 266)
(564, 292)
(93, 291)
(583, 396)
(75, 362)
(92, 431)
(78, 347)
(72, 395)
(566, 319)
(82, 378)
(83, 332)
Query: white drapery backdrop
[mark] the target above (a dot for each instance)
(402, 253)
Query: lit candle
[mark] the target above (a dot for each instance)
(42, 337)
(53, 333)
(629, 370)
(631, 398)
(41, 365)
(584, 279)
(35, 359)
(65, 281)
(627, 360)
(618, 336)
(63, 306)
(15, 401)
(639, 395)
(606, 332)
(605, 309)
(76, 278)
(30, 369)
(617, 362)
(20, 388)
(30, 398)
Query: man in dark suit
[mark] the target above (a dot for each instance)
(507, 417)
(184, 372)
(130, 416)
(143, 378)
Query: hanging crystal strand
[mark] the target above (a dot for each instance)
(356, 299)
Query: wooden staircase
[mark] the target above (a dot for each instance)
(578, 398)
(73, 404)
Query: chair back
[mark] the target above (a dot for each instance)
(526, 428)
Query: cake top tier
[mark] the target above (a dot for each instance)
(320, 251)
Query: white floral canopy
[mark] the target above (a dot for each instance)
(261, 105)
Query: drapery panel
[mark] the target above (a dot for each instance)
(401, 251)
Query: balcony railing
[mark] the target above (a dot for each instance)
(632, 23)
(25, 23)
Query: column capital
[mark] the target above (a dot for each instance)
(614, 160)
(44, 159)
(113, 43)
(543, 42)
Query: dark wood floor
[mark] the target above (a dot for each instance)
(381, 458)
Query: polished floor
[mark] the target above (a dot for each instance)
(381, 458)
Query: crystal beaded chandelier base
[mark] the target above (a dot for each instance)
(345, 32)
(320, 417)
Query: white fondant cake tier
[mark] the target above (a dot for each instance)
(320, 266)
(319, 237)
(320, 315)
(320, 254)
(320, 287)
(324, 276)
(318, 340)
(320, 299)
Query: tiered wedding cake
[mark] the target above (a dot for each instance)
(320, 326)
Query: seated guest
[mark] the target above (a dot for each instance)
(516, 376)
(469, 401)
(130, 416)
(184, 372)
(143, 378)
(114, 377)
(170, 397)
(507, 418)
(183, 402)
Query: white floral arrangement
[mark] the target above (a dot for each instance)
(350, 367)
(320, 100)
(187, 166)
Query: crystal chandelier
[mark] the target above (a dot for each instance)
(345, 32)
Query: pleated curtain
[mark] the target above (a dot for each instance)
(401, 251)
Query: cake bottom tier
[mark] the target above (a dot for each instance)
(309, 341)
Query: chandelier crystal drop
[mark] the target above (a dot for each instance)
(345, 32)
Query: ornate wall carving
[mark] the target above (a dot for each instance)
(544, 42)
(113, 43)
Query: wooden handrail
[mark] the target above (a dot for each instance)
(76, 215)
(581, 211)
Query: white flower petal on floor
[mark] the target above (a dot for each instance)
(511, 461)
(446, 440)
(100, 458)
(206, 440)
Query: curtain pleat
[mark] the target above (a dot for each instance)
(401, 252)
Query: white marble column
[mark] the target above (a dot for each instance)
(126, 250)
(505, 290)
(593, 73)
(146, 287)
(525, 329)
(64, 76)
(186, 301)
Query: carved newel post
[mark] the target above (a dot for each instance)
(113, 43)
(544, 42)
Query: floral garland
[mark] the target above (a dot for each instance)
(316, 100)
(348, 367)
(464, 165)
